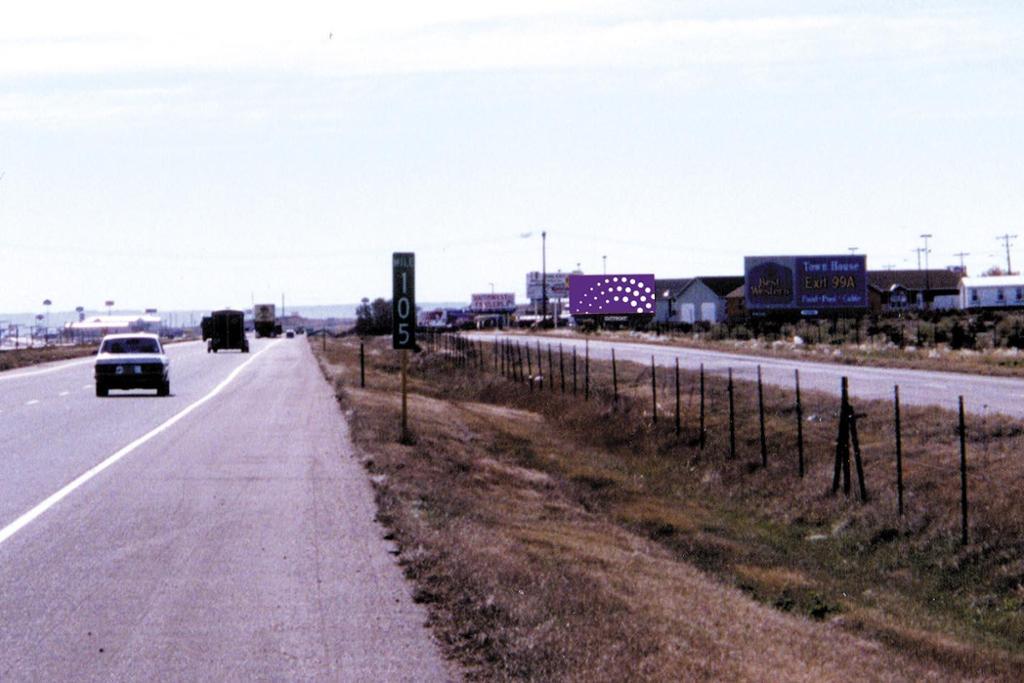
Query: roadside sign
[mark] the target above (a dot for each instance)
(612, 294)
(403, 300)
(502, 301)
(798, 283)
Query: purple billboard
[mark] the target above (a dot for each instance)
(611, 294)
(806, 283)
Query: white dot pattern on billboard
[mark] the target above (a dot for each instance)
(612, 294)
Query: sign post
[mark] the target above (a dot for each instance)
(403, 316)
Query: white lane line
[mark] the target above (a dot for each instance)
(64, 393)
(63, 365)
(32, 402)
(30, 516)
(45, 371)
(87, 386)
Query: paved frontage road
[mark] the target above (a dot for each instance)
(919, 387)
(197, 537)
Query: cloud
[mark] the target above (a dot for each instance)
(59, 60)
(398, 38)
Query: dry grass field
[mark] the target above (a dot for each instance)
(20, 358)
(554, 538)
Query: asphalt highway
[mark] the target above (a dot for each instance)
(920, 387)
(223, 533)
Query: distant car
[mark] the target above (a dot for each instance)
(132, 361)
(289, 333)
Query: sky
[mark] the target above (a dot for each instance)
(195, 155)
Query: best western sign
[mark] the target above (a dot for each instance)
(806, 282)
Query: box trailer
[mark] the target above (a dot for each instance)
(225, 329)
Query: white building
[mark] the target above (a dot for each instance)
(109, 324)
(697, 299)
(1003, 291)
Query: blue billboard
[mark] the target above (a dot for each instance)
(806, 283)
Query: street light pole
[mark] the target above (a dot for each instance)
(604, 264)
(46, 332)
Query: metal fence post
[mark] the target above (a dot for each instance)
(963, 475)
(732, 418)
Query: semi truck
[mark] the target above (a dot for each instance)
(264, 320)
(225, 329)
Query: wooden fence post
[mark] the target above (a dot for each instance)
(362, 366)
(842, 464)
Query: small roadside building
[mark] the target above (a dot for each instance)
(692, 300)
(666, 292)
(736, 304)
(1002, 291)
(892, 291)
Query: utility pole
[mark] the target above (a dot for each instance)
(961, 254)
(927, 278)
(543, 277)
(1006, 242)
(604, 264)
(918, 251)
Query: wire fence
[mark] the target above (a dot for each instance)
(768, 428)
